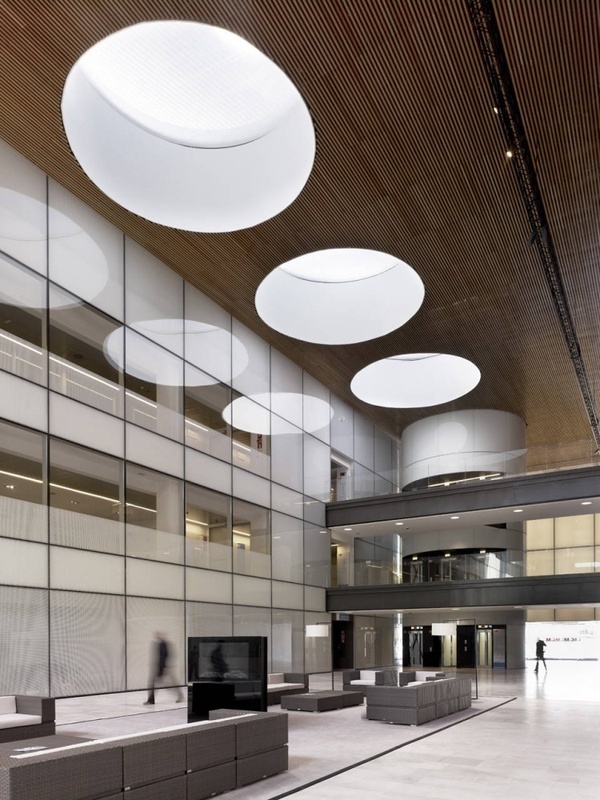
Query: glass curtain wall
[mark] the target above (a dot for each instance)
(160, 466)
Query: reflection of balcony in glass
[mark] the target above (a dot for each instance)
(85, 387)
(21, 358)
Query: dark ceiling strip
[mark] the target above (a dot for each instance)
(490, 45)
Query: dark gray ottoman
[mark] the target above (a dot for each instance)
(321, 701)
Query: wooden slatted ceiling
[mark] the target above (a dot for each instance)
(410, 160)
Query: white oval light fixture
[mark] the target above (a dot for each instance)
(339, 296)
(251, 413)
(415, 380)
(188, 125)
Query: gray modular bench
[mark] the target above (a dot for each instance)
(25, 716)
(420, 702)
(183, 762)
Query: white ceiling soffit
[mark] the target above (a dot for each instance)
(189, 126)
(415, 380)
(339, 296)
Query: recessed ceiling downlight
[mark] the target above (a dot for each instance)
(188, 125)
(339, 296)
(415, 380)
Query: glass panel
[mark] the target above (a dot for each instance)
(24, 635)
(208, 343)
(286, 388)
(252, 451)
(342, 427)
(251, 591)
(363, 482)
(317, 649)
(363, 441)
(288, 540)
(207, 528)
(153, 298)
(384, 459)
(85, 252)
(286, 453)
(574, 531)
(254, 379)
(155, 579)
(208, 619)
(79, 368)
(205, 428)
(574, 559)
(154, 514)
(85, 499)
(154, 393)
(208, 471)
(248, 621)
(287, 641)
(87, 649)
(208, 586)
(316, 417)
(81, 571)
(251, 540)
(317, 469)
(317, 556)
(23, 513)
(22, 322)
(23, 563)
(145, 617)
(23, 228)
(540, 562)
(539, 534)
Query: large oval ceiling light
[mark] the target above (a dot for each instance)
(188, 125)
(339, 296)
(415, 380)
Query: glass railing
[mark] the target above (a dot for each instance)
(456, 470)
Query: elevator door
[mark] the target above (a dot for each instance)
(485, 647)
(415, 648)
(465, 646)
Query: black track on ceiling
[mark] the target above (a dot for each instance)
(487, 33)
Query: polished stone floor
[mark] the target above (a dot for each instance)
(534, 736)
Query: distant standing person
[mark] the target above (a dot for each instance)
(159, 668)
(540, 647)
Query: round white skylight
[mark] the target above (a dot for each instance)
(415, 380)
(339, 296)
(249, 413)
(188, 125)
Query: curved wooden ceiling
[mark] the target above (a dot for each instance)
(410, 160)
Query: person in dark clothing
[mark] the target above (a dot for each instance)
(160, 668)
(540, 647)
(219, 664)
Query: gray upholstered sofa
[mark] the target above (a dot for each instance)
(184, 762)
(280, 684)
(25, 716)
(358, 680)
(418, 702)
